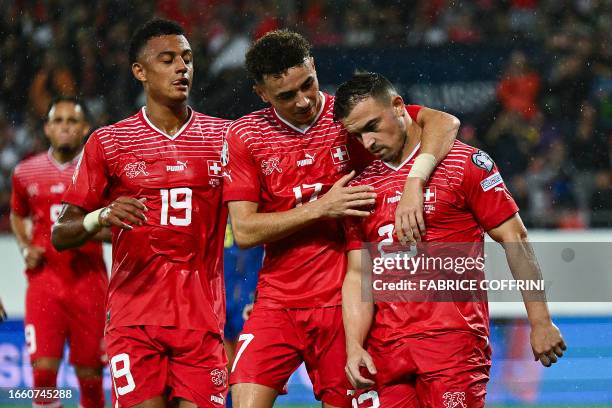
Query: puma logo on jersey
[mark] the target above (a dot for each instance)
(180, 166)
(135, 169)
(307, 161)
(395, 198)
(58, 188)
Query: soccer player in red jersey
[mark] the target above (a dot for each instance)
(156, 179)
(285, 185)
(65, 294)
(427, 354)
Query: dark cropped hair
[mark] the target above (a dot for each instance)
(71, 99)
(275, 53)
(361, 86)
(152, 28)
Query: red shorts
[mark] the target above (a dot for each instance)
(147, 361)
(445, 370)
(274, 342)
(56, 313)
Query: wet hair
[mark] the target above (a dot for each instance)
(275, 53)
(70, 99)
(361, 86)
(152, 28)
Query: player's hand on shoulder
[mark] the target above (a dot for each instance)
(125, 213)
(357, 358)
(547, 343)
(33, 256)
(409, 220)
(343, 201)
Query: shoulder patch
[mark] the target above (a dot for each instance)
(493, 180)
(482, 160)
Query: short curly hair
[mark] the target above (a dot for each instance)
(156, 27)
(275, 53)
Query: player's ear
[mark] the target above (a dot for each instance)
(261, 92)
(139, 72)
(399, 108)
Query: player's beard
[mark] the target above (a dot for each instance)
(67, 150)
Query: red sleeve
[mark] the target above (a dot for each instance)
(90, 178)
(353, 233)
(413, 111)
(486, 194)
(242, 180)
(20, 204)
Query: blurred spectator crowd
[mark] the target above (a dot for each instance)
(550, 130)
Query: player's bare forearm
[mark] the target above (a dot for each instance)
(357, 313)
(69, 232)
(439, 132)
(19, 227)
(104, 235)
(252, 228)
(546, 340)
(523, 264)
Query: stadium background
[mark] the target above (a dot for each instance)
(531, 81)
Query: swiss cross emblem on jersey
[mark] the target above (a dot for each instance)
(339, 154)
(429, 199)
(214, 168)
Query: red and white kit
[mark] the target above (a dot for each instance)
(166, 301)
(65, 295)
(429, 353)
(297, 315)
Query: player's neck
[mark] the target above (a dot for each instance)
(169, 119)
(413, 138)
(62, 156)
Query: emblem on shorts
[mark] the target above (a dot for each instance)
(135, 169)
(269, 166)
(218, 377)
(454, 399)
(218, 399)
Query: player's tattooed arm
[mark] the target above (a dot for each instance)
(439, 133)
(70, 229)
(546, 340)
(252, 228)
(33, 255)
(357, 315)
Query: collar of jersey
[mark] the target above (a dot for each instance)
(63, 166)
(306, 129)
(171, 137)
(410, 156)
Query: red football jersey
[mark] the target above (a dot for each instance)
(38, 186)
(464, 197)
(281, 167)
(168, 272)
